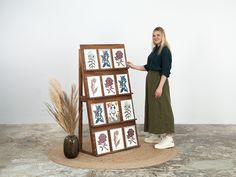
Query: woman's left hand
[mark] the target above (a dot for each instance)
(158, 92)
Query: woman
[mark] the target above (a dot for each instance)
(159, 119)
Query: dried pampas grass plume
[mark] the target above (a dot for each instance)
(64, 107)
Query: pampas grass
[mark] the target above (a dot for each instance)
(64, 108)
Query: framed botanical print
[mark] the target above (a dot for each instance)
(119, 58)
(102, 142)
(123, 83)
(117, 140)
(127, 109)
(91, 59)
(94, 86)
(113, 113)
(105, 58)
(98, 113)
(109, 85)
(130, 136)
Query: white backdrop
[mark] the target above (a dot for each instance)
(39, 40)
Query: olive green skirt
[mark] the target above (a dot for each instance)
(159, 117)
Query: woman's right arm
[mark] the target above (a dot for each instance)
(133, 66)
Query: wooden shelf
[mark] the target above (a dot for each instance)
(105, 100)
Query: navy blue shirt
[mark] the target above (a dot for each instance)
(159, 62)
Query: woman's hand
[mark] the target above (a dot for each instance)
(136, 67)
(130, 65)
(158, 92)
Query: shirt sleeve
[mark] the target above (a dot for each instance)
(146, 67)
(166, 61)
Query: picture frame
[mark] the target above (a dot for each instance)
(127, 109)
(119, 58)
(117, 139)
(91, 59)
(94, 86)
(113, 111)
(105, 58)
(102, 142)
(123, 83)
(109, 85)
(130, 136)
(98, 114)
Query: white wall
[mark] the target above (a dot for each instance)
(39, 40)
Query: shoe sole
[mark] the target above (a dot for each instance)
(165, 147)
(152, 142)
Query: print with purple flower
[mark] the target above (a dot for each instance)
(119, 58)
(130, 136)
(109, 85)
(102, 141)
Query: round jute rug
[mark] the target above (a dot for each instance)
(143, 156)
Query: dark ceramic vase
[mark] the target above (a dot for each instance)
(71, 146)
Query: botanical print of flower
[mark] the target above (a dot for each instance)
(98, 114)
(116, 138)
(102, 142)
(123, 84)
(113, 111)
(127, 110)
(130, 136)
(105, 59)
(94, 88)
(102, 139)
(91, 60)
(109, 85)
(119, 58)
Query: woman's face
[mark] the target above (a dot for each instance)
(157, 37)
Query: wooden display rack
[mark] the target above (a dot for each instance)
(104, 77)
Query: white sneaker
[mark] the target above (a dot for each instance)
(166, 142)
(153, 138)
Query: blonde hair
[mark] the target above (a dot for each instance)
(164, 42)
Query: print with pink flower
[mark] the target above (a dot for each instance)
(102, 141)
(94, 88)
(116, 138)
(109, 85)
(119, 58)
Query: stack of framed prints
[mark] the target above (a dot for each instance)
(104, 85)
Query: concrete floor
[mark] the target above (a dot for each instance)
(203, 150)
